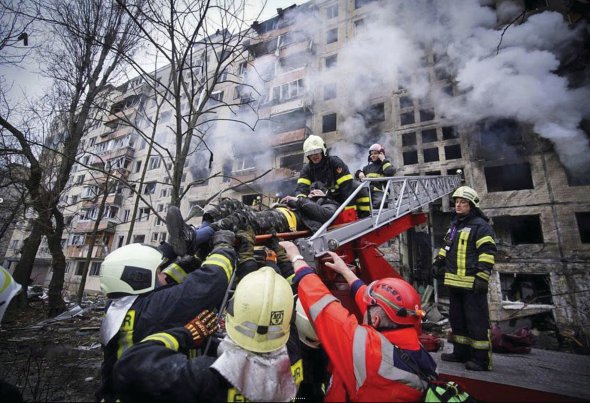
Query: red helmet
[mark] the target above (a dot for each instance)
(398, 298)
(377, 147)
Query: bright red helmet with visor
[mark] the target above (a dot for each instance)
(399, 300)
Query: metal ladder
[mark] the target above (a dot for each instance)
(402, 195)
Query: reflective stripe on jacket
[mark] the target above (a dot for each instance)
(471, 251)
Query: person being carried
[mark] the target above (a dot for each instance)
(297, 214)
(253, 362)
(367, 363)
(378, 167)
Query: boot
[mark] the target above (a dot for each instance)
(182, 235)
(451, 357)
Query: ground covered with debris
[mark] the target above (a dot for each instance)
(53, 359)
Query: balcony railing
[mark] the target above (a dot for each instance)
(80, 251)
(106, 224)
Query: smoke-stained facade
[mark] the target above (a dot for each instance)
(498, 91)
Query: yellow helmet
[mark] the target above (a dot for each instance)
(465, 192)
(259, 314)
(313, 145)
(305, 329)
(130, 269)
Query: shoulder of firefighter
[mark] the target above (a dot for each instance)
(362, 354)
(469, 253)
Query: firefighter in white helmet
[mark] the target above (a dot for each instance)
(252, 363)
(378, 167)
(134, 279)
(331, 171)
(464, 263)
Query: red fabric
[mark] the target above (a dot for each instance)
(335, 327)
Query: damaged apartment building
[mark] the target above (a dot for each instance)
(318, 77)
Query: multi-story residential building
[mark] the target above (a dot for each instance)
(308, 71)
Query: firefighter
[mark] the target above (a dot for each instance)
(464, 264)
(378, 167)
(141, 304)
(332, 171)
(366, 358)
(253, 361)
(299, 213)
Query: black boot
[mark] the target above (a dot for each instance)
(451, 357)
(182, 235)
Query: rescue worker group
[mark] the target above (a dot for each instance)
(210, 316)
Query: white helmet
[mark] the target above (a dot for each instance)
(130, 269)
(8, 289)
(377, 147)
(313, 145)
(259, 314)
(465, 192)
(305, 329)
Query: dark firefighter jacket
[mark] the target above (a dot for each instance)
(377, 169)
(333, 172)
(313, 213)
(469, 251)
(366, 365)
(159, 369)
(169, 306)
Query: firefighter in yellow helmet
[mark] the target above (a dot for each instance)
(333, 172)
(252, 363)
(464, 263)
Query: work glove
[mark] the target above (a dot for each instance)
(438, 268)
(202, 326)
(245, 247)
(168, 254)
(281, 253)
(223, 239)
(480, 286)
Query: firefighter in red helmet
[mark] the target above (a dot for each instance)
(366, 359)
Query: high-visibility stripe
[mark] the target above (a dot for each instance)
(217, 259)
(320, 304)
(483, 240)
(480, 344)
(486, 258)
(442, 252)
(374, 175)
(126, 333)
(342, 179)
(462, 251)
(386, 165)
(290, 278)
(359, 343)
(364, 208)
(176, 272)
(458, 281)
(291, 218)
(6, 281)
(304, 181)
(363, 200)
(166, 339)
(455, 338)
(350, 208)
(484, 275)
(301, 195)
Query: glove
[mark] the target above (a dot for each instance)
(480, 286)
(271, 256)
(438, 268)
(168, 254)
(281, 253)
(223, 239)
(201, 327)
(245, 248)
(203, 234)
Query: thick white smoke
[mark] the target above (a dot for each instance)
(498, 73)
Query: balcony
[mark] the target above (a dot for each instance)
(80, 251)
(288, 106)
(127, 152)
(288, 137)
(124, 115)
(106, 224)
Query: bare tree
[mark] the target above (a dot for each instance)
(201, 43)
(85, 44)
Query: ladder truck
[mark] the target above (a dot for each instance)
(357, 240)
